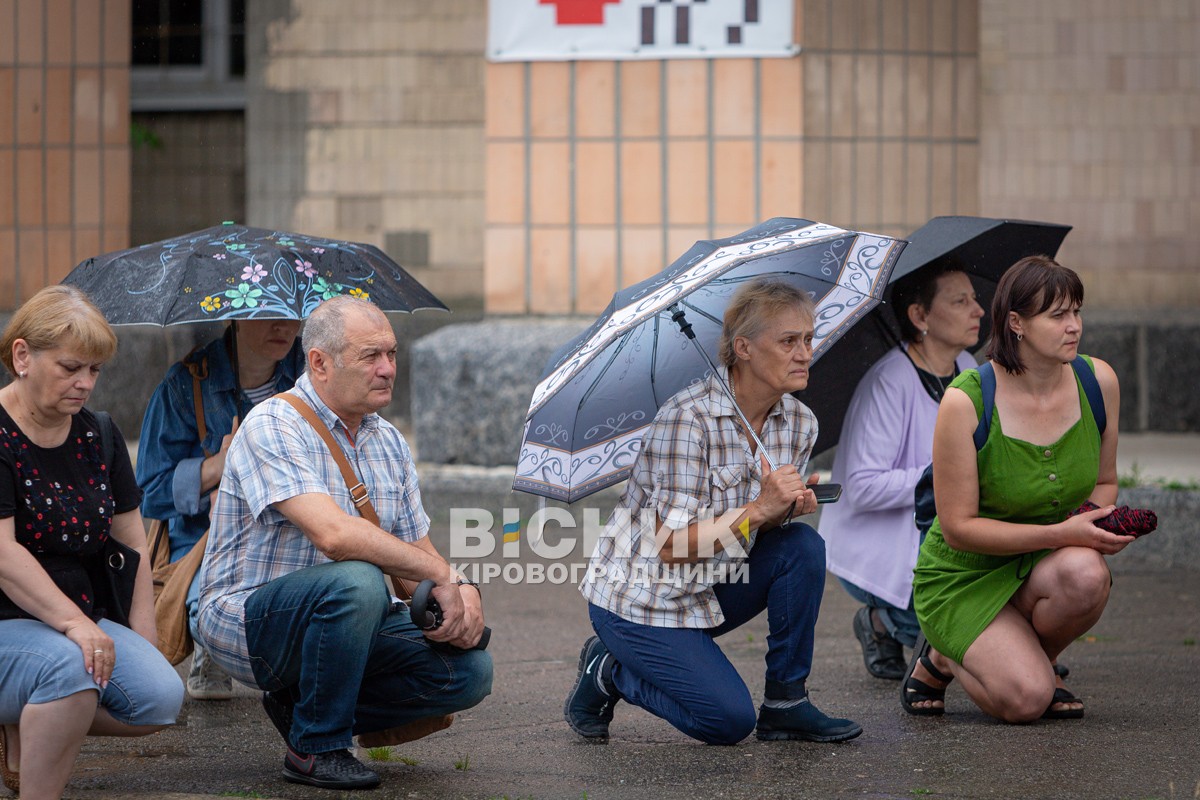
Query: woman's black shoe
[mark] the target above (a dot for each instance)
(882, 654)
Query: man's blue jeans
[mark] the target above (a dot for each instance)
(353, 661)
(681, 675)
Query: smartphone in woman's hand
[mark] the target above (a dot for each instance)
(827, 492)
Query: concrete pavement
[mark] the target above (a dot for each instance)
(1160, 456)
(1136, 672)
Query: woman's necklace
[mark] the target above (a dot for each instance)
(935, 384)
(741, 416)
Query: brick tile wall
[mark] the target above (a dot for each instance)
(1092, 118)
(64, 138)
(873, 126)
(365, 122)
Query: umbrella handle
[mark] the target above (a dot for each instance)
(427, 614)
(685, 328)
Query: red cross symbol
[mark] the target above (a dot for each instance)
(579, 12)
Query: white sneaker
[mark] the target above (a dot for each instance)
(207, 681)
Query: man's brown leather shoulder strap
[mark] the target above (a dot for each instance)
(358, 492)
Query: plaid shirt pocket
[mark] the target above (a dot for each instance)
(726, 482)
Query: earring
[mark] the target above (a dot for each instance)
(22, 374)
(1019, 337)
(924, 333)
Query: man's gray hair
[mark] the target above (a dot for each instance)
(325, 329)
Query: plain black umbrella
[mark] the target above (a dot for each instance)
(984, 248)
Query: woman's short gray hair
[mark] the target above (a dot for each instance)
(756, 304)
(325, 329)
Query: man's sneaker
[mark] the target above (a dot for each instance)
(589, 706)
(278, 706)
(803, 722)
(334, 770)
(207, 681)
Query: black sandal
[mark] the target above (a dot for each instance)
(1063, 696)
(918, 691)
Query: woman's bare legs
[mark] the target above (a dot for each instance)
(1064, 596)
(1008, 670)
(51, 735)
(105, 725)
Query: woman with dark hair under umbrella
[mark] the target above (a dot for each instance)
(180, 457)
(886, 443)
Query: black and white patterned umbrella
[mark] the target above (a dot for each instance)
(601, 391)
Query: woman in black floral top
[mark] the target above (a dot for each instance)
(66, 671)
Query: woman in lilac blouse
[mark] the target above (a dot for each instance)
(885, 445)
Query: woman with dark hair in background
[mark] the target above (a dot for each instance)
(886, 443)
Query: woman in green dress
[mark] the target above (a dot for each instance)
(1006, 579)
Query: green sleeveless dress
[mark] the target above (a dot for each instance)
(957, 593)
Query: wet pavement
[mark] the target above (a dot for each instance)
(1137, 672)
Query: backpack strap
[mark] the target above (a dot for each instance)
(987, 386)
(1091, 389)
(1087, 379)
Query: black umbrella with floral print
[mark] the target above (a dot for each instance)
(231, 272)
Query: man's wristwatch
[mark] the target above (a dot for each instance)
(469, 582)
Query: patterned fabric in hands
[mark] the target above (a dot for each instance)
(1123, 521)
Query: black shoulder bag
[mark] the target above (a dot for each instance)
(115, 574)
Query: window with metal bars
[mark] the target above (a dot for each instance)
(188, 54)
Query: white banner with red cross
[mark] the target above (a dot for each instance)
(569, 30)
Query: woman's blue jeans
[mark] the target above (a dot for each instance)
(353, 661)
(681, 675)
(40, 665)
